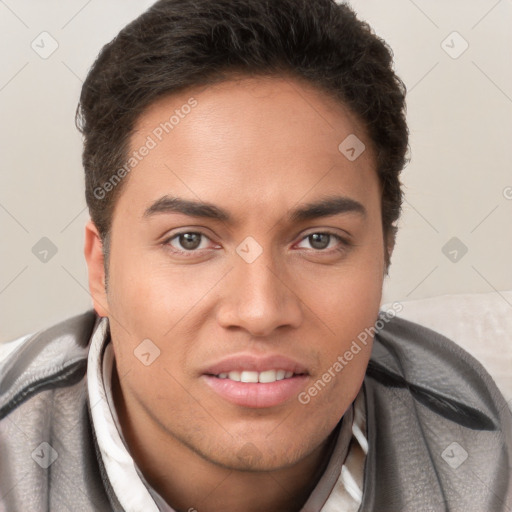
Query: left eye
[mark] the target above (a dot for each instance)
(321, 241)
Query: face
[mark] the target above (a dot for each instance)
(222, 270)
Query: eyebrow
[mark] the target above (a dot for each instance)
(332, 205)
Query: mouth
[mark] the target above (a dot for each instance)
(264, 377)
(256, 382)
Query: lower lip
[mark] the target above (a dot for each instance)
(255, 394)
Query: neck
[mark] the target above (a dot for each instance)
(168, 466)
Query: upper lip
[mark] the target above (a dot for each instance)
(248, 362)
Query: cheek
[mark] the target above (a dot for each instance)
(152, 294)
(346, 306)
(348, 300)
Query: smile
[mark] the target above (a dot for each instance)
(264, 377)
(256, 381)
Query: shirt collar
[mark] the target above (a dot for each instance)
(126, 483)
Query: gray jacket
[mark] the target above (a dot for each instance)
(439, 431)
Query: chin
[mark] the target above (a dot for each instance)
(259, 456)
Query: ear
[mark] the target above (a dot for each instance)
(93, 252)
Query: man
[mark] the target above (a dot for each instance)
(242, 166)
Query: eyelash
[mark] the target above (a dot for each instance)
(344, 243)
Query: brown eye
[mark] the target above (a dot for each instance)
(319, 240)
(187, 241)
(190, 241)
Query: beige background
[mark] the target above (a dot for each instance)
(458, 183)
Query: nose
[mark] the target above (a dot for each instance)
(259, 298)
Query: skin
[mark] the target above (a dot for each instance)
(257, 148)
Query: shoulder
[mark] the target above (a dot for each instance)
(437, 372)
(47, 451)
(53, 357)
(435, 415)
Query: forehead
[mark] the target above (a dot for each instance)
(260, 105)
(264, 140)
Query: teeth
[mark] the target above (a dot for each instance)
(262, 377)
(249, 377)
(268, 376)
